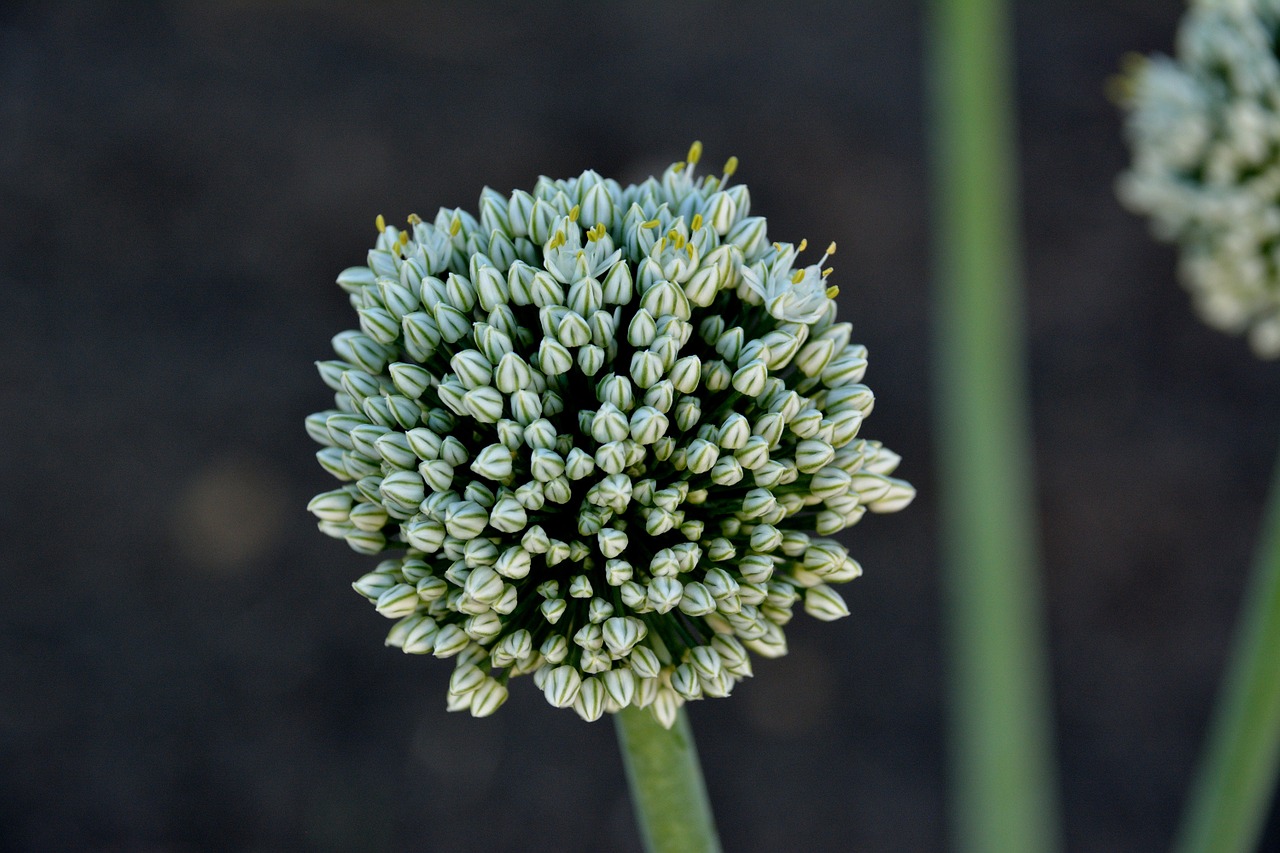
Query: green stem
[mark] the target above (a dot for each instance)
(1238, 770)
(1003, 791)
(667, 790)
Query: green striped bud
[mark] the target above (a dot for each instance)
(562, 686)
(589, 703)
(823, 602)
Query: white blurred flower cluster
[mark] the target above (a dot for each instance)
(599, 424)
(1204, 129)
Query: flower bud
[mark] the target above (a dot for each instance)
(562, 686)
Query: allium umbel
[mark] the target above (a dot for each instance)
(1205, 133)
(599, 422)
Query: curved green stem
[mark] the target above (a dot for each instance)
(667, 790)
(1003, 792)
(1237, 776)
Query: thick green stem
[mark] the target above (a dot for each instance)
(1238, 771)
(667, 790)
(1003, 791)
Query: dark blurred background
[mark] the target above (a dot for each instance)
(184, 664)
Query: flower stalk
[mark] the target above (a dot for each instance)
(1004, 797)
(667, 790)
(1237, 777)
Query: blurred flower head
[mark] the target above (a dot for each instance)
(608, 431)
(1204, 129)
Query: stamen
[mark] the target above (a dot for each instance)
(833, 292)
(455, 226)
(730, 166)
(652, 223)
(804, 244)
(696, 223)
(799, 275)
(381, 223)
(695, 152)
(415, 219)
(574, 211)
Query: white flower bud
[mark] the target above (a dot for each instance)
(331, 506)
(705, 661)
(814, 357)
(398, 600)
(487, 698)
(421, 638)
(452, 323)
(562, 686)
(823, 602)
(483, 627)
(410, 379)
(697, 600)
(374, 584)
(555, 648)
(702, 456)
(393, 447)
(590, 359)
(589, 636)
(552, 609)
(898, 496)
(450, 640)
(829, 482)
(620, 685)
(756, 568)
(580, 587)
(716, 375)
(545, 465)
(618, 288)
(730, 342)
(589, 703)
(685, 682)
(379, 324)
(404, 488)
(465, 679)
(611, 542)
(553, 358)
(484, 404)
(493, 462)
(664, 593)
(465, 520)
(354, 279)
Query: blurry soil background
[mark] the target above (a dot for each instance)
(185, 665)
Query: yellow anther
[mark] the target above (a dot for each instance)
(777, 247)
(688, 250)
(833, 292)
(695, 152)
(799, 275)
(415, 219)
(730, 166)
(696, 223)
(381, 223)
(557, 240)
(455, 226)
(574, 211)
(652, 223)
(404, 238)
(828, 271)
(831, 250)
(804, 244)
(677, 168)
